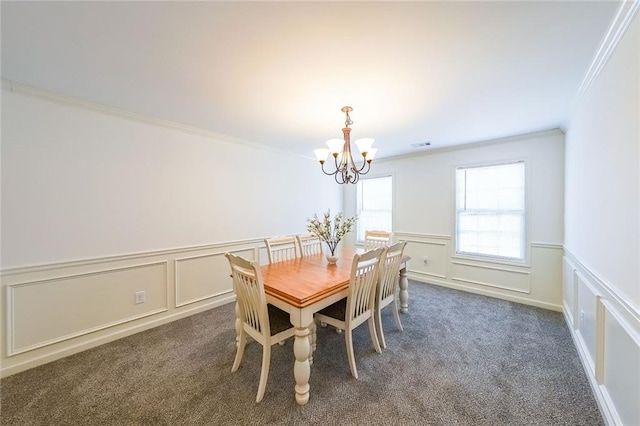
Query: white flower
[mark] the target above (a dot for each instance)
(330, 234)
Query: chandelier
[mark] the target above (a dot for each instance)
(346, 170)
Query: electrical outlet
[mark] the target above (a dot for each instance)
(581, 316)
(139, 297)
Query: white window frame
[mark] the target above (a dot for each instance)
(524, 260)
(359, 234)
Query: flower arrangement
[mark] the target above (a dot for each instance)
(328, 232)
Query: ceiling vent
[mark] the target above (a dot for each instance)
(420, 145)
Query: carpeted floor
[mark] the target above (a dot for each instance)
(463, 359)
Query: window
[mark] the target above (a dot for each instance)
(490, 210)
(375, 201)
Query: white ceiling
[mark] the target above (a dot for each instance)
(279, 73)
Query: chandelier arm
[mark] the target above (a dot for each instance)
(364, 164)
(368, 164)
(353, 163)
(325, 172)
(341, 164)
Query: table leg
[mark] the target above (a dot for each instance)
(301, 367)
(312, 340)
(404, 291)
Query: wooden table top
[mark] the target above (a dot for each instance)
(305, 280)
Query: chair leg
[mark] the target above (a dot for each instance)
(242, 341)
(378, 317)
(264, 373)
(373, 334)
(396, 315)
(348, 338)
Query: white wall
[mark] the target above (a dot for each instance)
(602, 227)
(424, 216)
(79, 183)
(98, 204)
(603, 174)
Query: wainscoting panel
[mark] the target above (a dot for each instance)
(621, 372)
(429, 255)
(569, 290)
(48, 311)
(498, 276)
(55, 310)
(538, 283)
(588, 298)
(205, 276)
(606, 330)
(546, 272)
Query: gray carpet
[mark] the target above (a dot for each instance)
(463, 359)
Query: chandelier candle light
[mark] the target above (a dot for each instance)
(346, 169)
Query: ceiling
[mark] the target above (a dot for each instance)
(278, 73)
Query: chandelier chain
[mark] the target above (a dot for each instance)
(348, 122)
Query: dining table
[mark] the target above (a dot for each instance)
(305, 285)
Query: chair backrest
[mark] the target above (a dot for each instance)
(309, 244)
(252, 301)
(362, 285)
(389, 271)
(375, 239)
(280, 249)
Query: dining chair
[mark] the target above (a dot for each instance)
(375, 239)
(309, 244)
(387, 284)
(265, 323)
(358, 306)
(280, 249)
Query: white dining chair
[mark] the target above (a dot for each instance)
(309, 244)
(387, 285)
(280, 249)
(266, 324)
(375, 239)
(358, 306)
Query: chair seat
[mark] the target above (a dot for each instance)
(337, 310)
(279, 319)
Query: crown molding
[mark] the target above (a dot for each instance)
(618, 27)
(17, 87)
